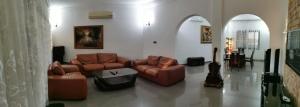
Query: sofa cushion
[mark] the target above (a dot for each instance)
(152, 71)
(143, 68)
(153, 60)
(73, 74)
(165, 62)
(107, 57)
(70, 68)
(57, 69)
(112, 65)
(87, 58)
(93, 67)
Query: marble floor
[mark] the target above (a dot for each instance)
(241, 89)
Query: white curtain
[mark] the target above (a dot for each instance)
(241, 37)
(248, 39)
(25, 53)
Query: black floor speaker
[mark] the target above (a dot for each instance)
(58, 53)
(276, 63)
(267, 60)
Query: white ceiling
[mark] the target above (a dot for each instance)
(71, 3)
(197, 19)
(246, 17)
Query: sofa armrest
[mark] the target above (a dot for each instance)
(172, 74)
(78, 63)
(124, 61)
(75, 62)
(173, 68)
(139, 62)
(70, 68)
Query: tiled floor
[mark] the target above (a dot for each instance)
(241, 89)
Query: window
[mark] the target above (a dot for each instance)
(248, 39)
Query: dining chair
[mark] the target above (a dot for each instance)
(226, 59)
(250, 59)
(234, 61)
(241, 50)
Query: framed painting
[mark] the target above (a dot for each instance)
(206, 34)
(88, 37)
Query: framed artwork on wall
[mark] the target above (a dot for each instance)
(206, 34)
(88, 37)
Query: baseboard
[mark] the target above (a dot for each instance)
(204, 62)
(258, 60)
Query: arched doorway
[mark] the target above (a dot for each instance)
(248, 32)
(188, 40)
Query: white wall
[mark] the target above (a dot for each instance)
(234, 25)
(169, 15)
(122, 33)
(123, 36)
(168, 18)
(188, 42)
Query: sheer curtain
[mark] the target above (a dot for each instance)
(248, 39)
(24, 53)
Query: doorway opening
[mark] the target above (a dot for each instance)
(249, 33)
(189, 43)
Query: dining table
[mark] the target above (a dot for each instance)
(237, 60)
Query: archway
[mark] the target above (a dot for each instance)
(188, 40)
(249, 32)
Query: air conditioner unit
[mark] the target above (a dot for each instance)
(100, 15)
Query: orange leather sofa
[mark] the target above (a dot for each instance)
(162, 70)
(65, 82)
(89, 63)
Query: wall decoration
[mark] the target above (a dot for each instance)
(228, 45)
(206, 34)
(88, 37)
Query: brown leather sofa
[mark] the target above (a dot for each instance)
(162, 70)
(89, 63)
(65, 82)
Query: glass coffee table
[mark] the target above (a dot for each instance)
(115, 79)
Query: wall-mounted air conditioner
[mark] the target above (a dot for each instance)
(100, 15)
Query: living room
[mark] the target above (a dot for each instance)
(134, 29)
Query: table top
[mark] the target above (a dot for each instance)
(115, 73)
(235, 53)
(236, 60)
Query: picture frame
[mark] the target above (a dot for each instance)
(88, 37)
(206, 35)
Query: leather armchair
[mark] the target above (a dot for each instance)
(71, 85)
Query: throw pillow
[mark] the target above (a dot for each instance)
(57, 69)
(153, 60)
(165, 62)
